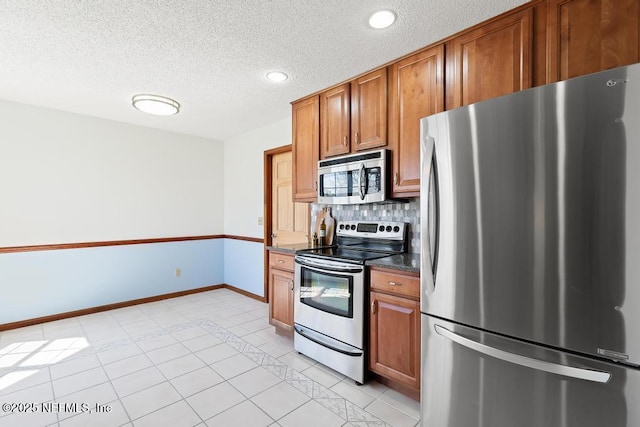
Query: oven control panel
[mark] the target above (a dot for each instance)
(390, 230)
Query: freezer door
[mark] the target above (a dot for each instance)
(472, 378)
(530, 210)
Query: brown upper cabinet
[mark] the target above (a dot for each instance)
(540, 42)
(369, 111)
(335, 113)
(416, 90)
(306, 148)
(586, 36)
(490, 60)
(353, 116)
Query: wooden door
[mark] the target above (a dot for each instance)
(586, 36)
(334, 121)
(369, 111)
(490, 61)
(281, 298)
(306, 149)
(290, 220)
(395, 338)
(416, 90)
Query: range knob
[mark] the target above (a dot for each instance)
(389, 229)
(381, 228)
(396, 229)
(353, 226)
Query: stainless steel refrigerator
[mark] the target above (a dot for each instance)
(530, 257)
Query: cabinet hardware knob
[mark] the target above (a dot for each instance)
(394, 283)
(292, 285)
(373, 307)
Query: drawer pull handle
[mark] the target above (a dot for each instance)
(394, 283)
(373, 307)
(281, 261)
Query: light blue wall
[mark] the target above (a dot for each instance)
(244, 265)
(42, 283)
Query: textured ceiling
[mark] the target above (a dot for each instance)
(91, 56)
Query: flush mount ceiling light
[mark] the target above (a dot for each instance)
(276, 76)
(155, 104)
(382, 19)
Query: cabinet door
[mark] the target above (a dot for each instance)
(491, 60)
(281, 299)
(306, 149)
(369, 111)
(334, 119)
(395, 338)
(416, 90)
(586, 36)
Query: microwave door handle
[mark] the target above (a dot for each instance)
(362, 188)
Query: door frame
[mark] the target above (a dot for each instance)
(267, 214)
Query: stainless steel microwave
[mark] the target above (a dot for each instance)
(353, 179)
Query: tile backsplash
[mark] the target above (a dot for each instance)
(404, 211)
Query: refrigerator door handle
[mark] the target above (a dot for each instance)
(428, 261)
(541, 365)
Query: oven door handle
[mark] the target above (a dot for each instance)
(327, 342)
(328, 267)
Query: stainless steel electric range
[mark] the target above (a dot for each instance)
(331, 290)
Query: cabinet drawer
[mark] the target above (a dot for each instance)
(397, 283)
(282, 261)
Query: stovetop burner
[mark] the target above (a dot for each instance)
(359, 241)
(344, 253)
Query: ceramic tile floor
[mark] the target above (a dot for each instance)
(207, 359)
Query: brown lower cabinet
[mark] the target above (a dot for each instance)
(281, 292)
(394, 326)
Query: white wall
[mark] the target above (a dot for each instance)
(244, 176)
(244, 203)
(70, 178)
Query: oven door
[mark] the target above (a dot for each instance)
(329, 298)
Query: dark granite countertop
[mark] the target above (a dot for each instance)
(290, 248)
(403, 262)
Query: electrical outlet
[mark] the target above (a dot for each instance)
(178, 272)
(260, 220)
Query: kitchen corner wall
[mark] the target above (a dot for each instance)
(244, 202)
(404, 211)
(244, 176)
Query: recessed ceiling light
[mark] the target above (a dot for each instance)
(155, 104)
(382, 19)
(277, 76)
